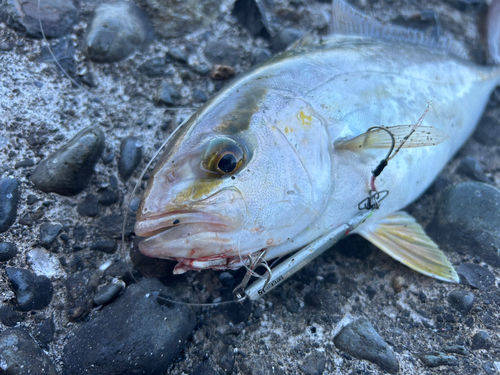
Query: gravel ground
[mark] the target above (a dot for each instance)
(72, 302)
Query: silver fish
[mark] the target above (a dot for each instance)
(282, 154)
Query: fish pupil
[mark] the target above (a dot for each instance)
(227, 163)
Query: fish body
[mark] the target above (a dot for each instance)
(282, 127)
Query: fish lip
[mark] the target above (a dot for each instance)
(156, 224)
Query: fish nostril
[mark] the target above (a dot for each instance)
(176, 221)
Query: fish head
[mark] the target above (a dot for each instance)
(229, 184)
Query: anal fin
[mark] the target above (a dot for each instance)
(401, 237)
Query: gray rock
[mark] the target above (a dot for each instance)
(435, 359)
(470, 167)
(108, 197)
(469, 214)
(177, 54)
(172, 18)
(199, 96)
(476, 276)
(80, 293)
(69, 170)
(7, 251)
(490, 368)
(155, 67)
(109, 292)
(116, 30)
(461, 300)
(48, 234)
(57, 16)
(481, 340)
(457, 349)
(252, 15)
(106, 246)
(20, 354)
(360, 340)
(219, 52)
(89, 206)
(9, 316)
(314, 364)
(135, 334)
(285, 38)
(167, 94)
(32, 292)
(9, 197)
(130, 156)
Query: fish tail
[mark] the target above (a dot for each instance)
(493, 33)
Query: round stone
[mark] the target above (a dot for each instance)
(130, 156)
(9, 197)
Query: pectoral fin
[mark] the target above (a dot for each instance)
(400, 236)
(378, 138)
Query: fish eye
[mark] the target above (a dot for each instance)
(223, 156)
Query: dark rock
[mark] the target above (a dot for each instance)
(227, 279)
(26, 220)
(48, 234)
(25, 163)
(285, 38)
(155, 67)
(119, 269)
(108, 197)
(80, 233)
(487, 131)
(435, 359)
(130, 156)
(457, 349)
(490, 368)
(199, 96)
(252, 15)
(61, 54)
(461, 300)
(9, 197)
(226, 359)
(314, 364)
(9, 317)
(470, 167)
(89, 206)
(260, 55)
(80, 293)
(32, 199)
(473, 224)
(167, 94)
(106, 246)
(120, 340)
(20, 354)
(90, 80)
(57, 17)
(177, 54)
(116, 30)
(7, 251)
(134, 204)
(476, 276)
(360, 340)
(481, 340)
(204, 368)
(111, 226)
(219, 52)
(32, 292)
(108, 158)
(113, 182)
(201, 69)
(5, 47)
(109, 292)
(69, 170)
(44, 333)
(172, 18)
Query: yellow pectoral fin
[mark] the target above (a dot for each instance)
(400, 236)
(377, 138)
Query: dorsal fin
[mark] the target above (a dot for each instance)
(378, 138)
(348, 20)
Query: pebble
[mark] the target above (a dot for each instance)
(476, 276)
(457, 349)
(199, 96)
(130, 156)
(69, 170)
(24, 163)
(222, 72)
(177, 54)
(119, 269)
(167, 94)
(9, 197)
(473, 226)
(20, 354)
(106, 246)
(153, 68)
(48, 234)
(107, 293)
(80, 289)
(470, 167)
(108, 197)
(32, 292)
(260, 55)
(219, 52)
(490, 368)
(251, 15)
(461, 300)
(101, 345)
(285, 38)
(134, 204)
(79, 233)
(9, 316)
(314, 364)
(32, 199)
(435, 359)
(45, 329)
(487, 131)
(173, 18)
(481, 340)
(117, 30)
(398, 282)
(57, 17)
(89, 206)
(360, 340)
(7, 251)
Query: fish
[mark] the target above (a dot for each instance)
(287, 151)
